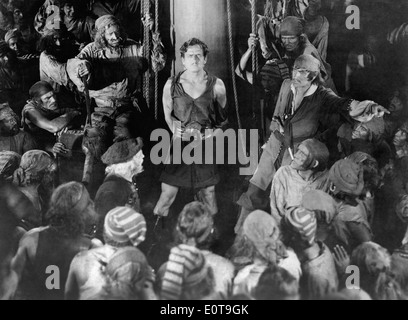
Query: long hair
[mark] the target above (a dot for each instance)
(195, 226)
(100, 39)
(47, 44)
(67, 213)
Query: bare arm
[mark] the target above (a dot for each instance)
(26, 250)
(52, 126)
(168, 107)
(71, 286)
(240, 70)
(220, 93)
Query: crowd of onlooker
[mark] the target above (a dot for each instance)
(328, 198)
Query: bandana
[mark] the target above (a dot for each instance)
(105, 21)
(186, 267)
(124, 224)
(292, 26)
(33, 163)
(39, 89)
(263, 231)
(128, 265)
(303, 222)
(347, 176)
(308, 62)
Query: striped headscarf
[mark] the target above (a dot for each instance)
(303, 222)
(9, 162)
(124, 224)
(186, 267)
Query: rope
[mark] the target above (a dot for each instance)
(234, 82)
(254, 31)
(254, 55)
(156, 73)
(232, 60)
(146, 52)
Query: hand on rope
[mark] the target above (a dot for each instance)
(253, 41)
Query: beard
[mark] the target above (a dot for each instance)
(58, 54)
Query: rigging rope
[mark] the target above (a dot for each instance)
(234, 82)
(254, 31)
(156, 73)
(232, 61)
(254, 55)
(146, 51)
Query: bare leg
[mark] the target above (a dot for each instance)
(167, 197)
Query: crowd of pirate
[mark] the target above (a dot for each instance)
(330, 189)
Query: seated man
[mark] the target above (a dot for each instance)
(11, 137)
(302, 107)
(112, 66)
(43, 117)
(26, 55)
(14, 39)
(308, 171)
(126, 11)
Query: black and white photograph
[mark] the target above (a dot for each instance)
(203, 150)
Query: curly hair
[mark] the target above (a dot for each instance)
(100, 39)
(374, 263)
(47, 44)
(194, 42)
(195, 223)
(68, 207)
